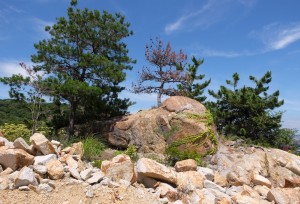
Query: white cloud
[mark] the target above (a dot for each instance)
(8, 68)
(207, 52)
(211, 12)
(277, 36)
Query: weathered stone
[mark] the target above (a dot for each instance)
(277, 197)
(5, 142)
(208, 173)
(262, 190)
(4, 183)
(189, 180)
(212, 185)
(1, 169)
(86, 174)
(77, 149)
(6, 171)
(20, 143)
(150, 168)
(44, 187)
(220, 195)
(120, 167)
(284, 195)
(25, 177)
(42, 144)
(43, 160)
(14, 158)
(208, 197)
(75, 173)
(220, 180)
(260, 180)
(234, 190)
(294, 166)
(24, 188)
(55, 169)
(40, 169)
(186, 165)
(96, 177)
(56, 143)
(165, 190)
(89, 192)
(71, 162)
(178, 117)
(292, 182)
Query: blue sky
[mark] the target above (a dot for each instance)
(245, 36)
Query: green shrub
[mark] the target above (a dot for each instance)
(131, 151)
(14, 131)
(97, 163)
(92, 147)
(175, 155)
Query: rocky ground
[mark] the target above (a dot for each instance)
(44, 172)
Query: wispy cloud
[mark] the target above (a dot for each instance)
(277, 36)
(207, 52)
(39, 26)
(8, 68)
(211, 12)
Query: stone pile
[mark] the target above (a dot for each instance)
(239, 175)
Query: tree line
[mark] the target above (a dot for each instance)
(85, 59)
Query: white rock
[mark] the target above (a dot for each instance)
(25, 177)
(86, 174)
(40, 169)
(96, 177)
(260, 180)
(208, 173)
(20, 143)
(71, 162)
(43, 160)
(4, 183)
(75, 173)
(89, 192)
(24, 188)
(54, 142)
(220, 195)
(186, 165)
(41, 143)
(153, 169)
(212, 185)
(234, 190)
(44, 187)
(6, 142)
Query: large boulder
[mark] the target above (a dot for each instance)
(41, 143)
(120, 167)
(14, 158)
(269, 167)
(152, 169)
(180, 122)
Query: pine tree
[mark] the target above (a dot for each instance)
(247, 111)
(189, 87)
(85, 58)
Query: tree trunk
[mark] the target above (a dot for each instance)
(72, 119)
(158, 99)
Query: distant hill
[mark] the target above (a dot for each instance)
(12, 111)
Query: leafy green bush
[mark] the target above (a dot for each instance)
(131, 151)
(175, 155)
(285, 137)
(92, 147)
(13, 131)
(97, 163)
